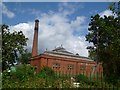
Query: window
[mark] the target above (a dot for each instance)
(56, 66)
(70, 66)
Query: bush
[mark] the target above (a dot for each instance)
(82, 78)
(14, 79)
(113, 79)
(47, 72)
(23, 72)
(67, 84)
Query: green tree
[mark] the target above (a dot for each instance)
(0, 50)
(115, 8)
(12, 43)
(105, 36)
(25, 57)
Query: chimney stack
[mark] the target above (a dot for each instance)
(35, 40)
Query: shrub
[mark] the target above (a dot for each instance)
(82, 78)
(23, 72)
(47, 72)
(14, 79)
(58, 83)
(113, 79)
(67, 84)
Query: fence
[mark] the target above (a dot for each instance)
(81, 80)
(47, 78)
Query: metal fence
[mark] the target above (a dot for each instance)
(82, 80)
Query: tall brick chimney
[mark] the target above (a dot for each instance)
(35, 40)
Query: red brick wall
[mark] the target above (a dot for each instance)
(45, 60)
(63, 66)
(36, 62)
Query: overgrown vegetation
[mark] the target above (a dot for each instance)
(25, 77)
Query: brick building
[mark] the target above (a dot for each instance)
(62, 60)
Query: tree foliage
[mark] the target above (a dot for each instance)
(12, 43)
(104, 33)
(25, 57)
(0, 50)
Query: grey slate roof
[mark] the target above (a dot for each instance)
(62, 52)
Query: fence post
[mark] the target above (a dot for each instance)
(63, 74)
(83, 73)
(117, 84)
(73, 73)
(113, 86)
(60, 73)
(101, 80)
(62, 83)
(90, 79)
(69, 74)
(56, 74)
(66, 74)
(87, 78)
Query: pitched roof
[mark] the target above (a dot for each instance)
(62, 52)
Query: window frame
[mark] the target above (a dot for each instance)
(56, 66)
(70, 67)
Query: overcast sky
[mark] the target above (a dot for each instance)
(60, 23)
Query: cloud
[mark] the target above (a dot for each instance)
(56, 29)
(68, 8)
(79, 21)
(92, 12)
(7, 12)
(106, 12)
